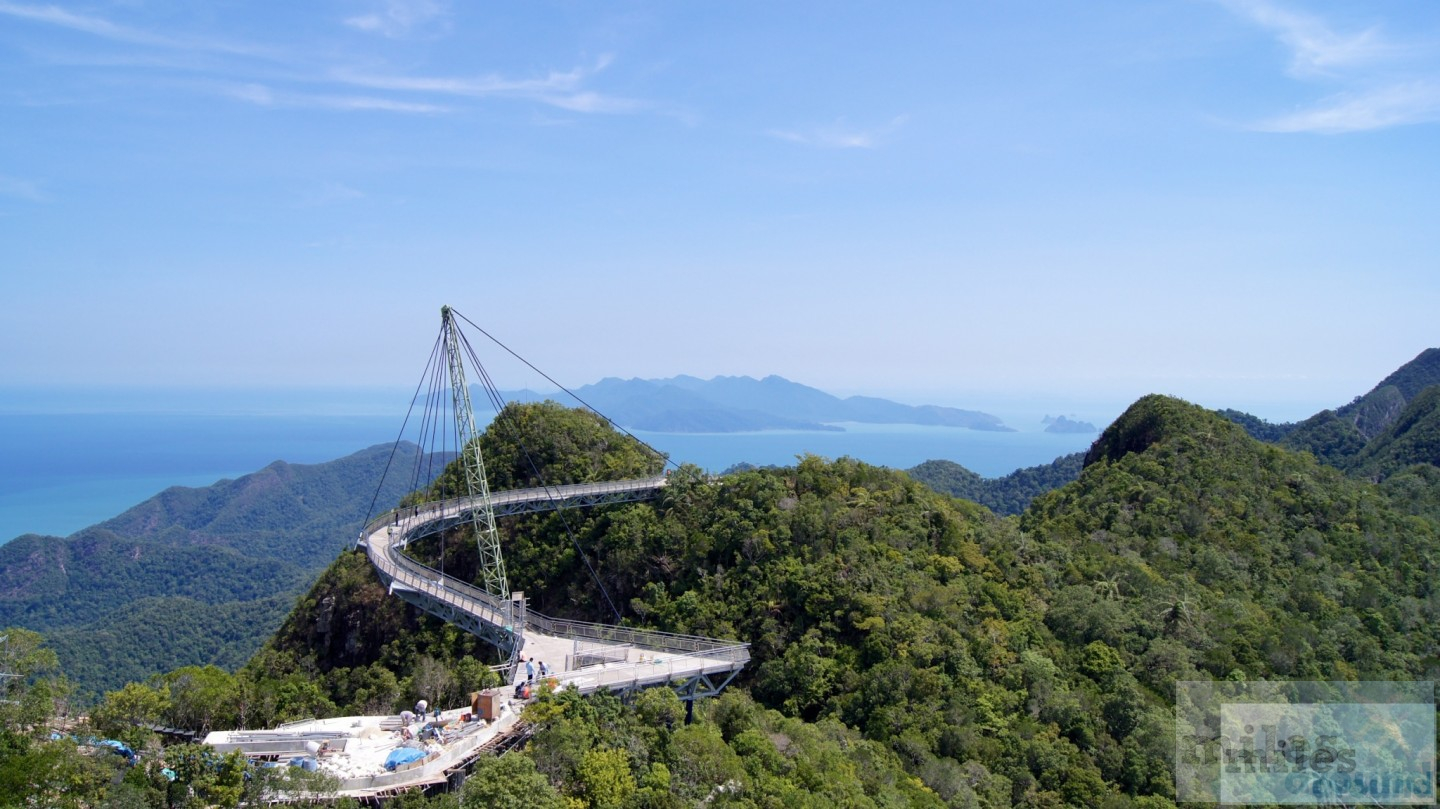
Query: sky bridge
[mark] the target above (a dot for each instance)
(378, 756)
(585, 656)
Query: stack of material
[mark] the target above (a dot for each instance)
(401, 756)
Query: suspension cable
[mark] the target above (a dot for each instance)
(435, 428)
(497, 400)
(569, 392)
(370, 513)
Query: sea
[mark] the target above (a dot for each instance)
(61, 472)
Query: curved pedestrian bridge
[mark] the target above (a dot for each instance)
(586, 656)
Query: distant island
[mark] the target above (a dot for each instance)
(1061, 424)
(733, 404)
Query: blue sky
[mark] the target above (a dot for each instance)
(1231, 201)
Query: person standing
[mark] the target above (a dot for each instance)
(529, 669)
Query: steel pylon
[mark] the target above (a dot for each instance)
(477, 487)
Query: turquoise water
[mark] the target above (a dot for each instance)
(61, 473)
(896, 445)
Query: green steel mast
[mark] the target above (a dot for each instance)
(492, 565)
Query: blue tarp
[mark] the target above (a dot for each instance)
(402, 755)
(305, 763)
(119, 747)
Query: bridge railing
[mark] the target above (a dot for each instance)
(560, 493)
(539, 498)
(412, 522)
(429, 580)
(432, 582)
(667, 642)
(636, 675)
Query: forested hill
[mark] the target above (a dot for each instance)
(1341, 436)
(1010, 494)
(1256, 559)
(999, 661)
(1412, 438)
(192, 575)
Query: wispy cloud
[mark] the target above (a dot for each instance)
(53, 15)
(398, 19)
(253, 78)
(105, 29)
(839, 135)
(265, 96)
(1381, 108)
(562, 89)
(1316, 48)
(21, 189)
(330, 193)
(1377, 83)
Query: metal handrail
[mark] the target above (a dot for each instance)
(412, 523)
(430, 581)
(458, 505)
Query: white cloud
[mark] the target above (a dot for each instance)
(590, 102)
(331, 193)
(402, 18)
(1316, 48)
(52, 15)
(562, 89)
(97, 26)
(1385, 107)
(486, 85)
(254, 93)
(839, 136)
(372, 103)
(263, 96)
(21, 189)
(1376, 83)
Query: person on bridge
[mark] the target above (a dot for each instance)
(529, 669)
(544, 670)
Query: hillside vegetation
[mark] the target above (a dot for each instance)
(1010, 494)
(1349, 437)
(908, 648)
(1002, 662)
(192, 575)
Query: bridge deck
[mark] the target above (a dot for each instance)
(585, 656)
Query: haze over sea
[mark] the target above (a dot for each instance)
(63, 469)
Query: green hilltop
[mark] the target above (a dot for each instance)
(1009, 494)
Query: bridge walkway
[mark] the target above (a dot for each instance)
(583, 655)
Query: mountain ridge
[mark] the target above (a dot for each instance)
(688, 404)
(211, 552)
(1341, 436)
